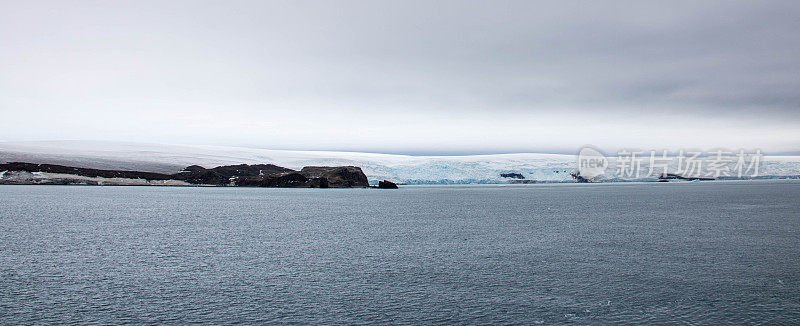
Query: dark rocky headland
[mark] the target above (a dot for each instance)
(243, 175)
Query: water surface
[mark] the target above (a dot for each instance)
(700, 253)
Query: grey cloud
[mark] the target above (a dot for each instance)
(679, 58)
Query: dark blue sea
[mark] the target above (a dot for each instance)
(704, 253)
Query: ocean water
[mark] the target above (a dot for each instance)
(638, 253)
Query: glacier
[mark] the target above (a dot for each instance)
(407, 169)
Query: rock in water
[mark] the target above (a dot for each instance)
(386, 184)
(337, 176)
(512, 175)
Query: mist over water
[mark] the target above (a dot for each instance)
(709, 253)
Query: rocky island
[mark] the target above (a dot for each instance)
(243, 175)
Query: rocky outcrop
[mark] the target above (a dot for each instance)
(268, 175)
(49, 178)
(258, 175)
(309, 177)
(337, 176)
(27, 178)
(578, 178)
(225, 175)
(386, 184)
(61, 169)
(290, 180)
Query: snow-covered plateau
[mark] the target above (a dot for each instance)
(399, 168)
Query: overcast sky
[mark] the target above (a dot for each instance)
(417, 77)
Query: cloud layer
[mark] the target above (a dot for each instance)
(404, 76)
